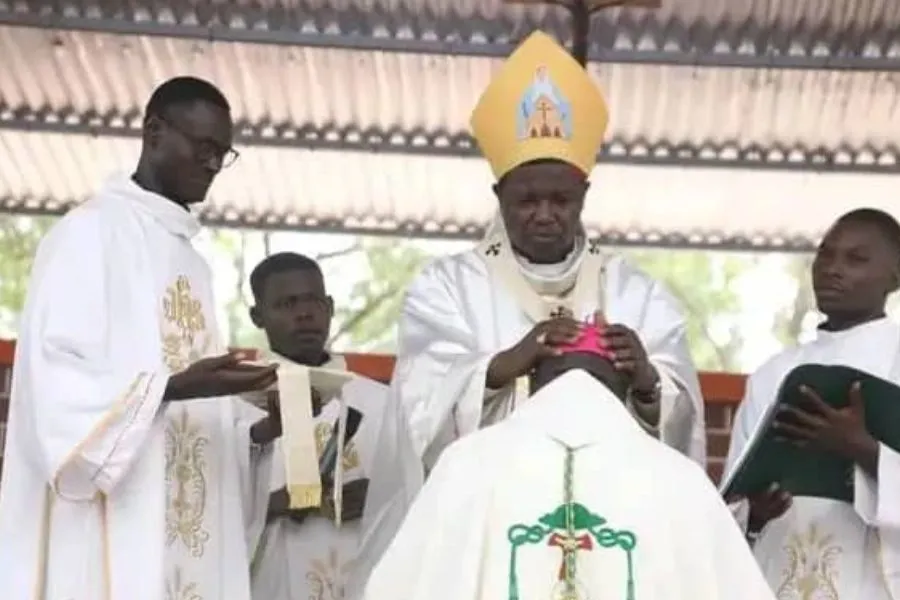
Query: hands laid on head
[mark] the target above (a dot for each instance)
(539, 343)
(545, 338)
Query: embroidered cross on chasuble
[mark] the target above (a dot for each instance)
(572, 528)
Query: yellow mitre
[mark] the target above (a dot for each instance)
(541, 105)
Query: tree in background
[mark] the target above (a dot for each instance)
(366, 317)
(703, 283)
(789, 321)
(19, 239)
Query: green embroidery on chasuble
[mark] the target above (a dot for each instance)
(572, 528)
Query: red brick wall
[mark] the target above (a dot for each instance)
(721, 391)
(5, 373)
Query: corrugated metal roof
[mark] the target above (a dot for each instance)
(276, 187)
(109, 75)
(841, 26)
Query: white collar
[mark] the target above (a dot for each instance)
(170, 215)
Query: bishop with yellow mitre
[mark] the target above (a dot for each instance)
(473, 324)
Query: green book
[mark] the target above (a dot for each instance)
(806, 472)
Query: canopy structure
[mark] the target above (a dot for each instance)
(734, 124)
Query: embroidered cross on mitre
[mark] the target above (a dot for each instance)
(493, 249)
(594, 246)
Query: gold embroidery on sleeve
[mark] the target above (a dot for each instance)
(811, 572)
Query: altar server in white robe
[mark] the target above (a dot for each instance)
(131, 471)
(304, 553)
(474, 322)
(815, 548)
(568, 499)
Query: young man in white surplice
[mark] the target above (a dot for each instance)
(474, 323)
(817, 548)
(304, 553)
(131, 470)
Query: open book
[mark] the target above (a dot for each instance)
(803, 471)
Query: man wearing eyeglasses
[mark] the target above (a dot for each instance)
(131, 466)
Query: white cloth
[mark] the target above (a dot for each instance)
(821, 548)
(314, 559)
(108, 494)
(488, 487)
(456, 317)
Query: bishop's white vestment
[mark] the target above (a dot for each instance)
(107, 492)
(464, 309)
(568, 488)
(823, 549)
(314, 558)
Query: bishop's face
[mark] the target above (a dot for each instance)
(541, 206)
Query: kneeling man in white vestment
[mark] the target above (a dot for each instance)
(474, 322)
(131, 471)
(568, 499)
(813, 548)
(304, 552)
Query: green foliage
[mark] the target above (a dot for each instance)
(367, 319)
(703, 282)
(232, 244)
(19, 239)
(789, 320)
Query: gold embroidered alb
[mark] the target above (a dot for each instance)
(811, 571)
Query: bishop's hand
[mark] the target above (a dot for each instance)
(223, 375)
(629, 355)
(539, 343)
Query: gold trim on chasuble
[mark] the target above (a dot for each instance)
(326, 577)
(136, 392)
(811, 570)
(183, 319)
(184, 340)
(178, 589)
(186, 485)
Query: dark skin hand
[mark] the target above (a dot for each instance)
(766, 506)
(268, 428)
(629, 355)
(841, 432)
(223, 375)
(541, 342)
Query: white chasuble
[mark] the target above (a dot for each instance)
(108, 494)
(314, 559)
(542, 506)
(823, 549)
(465, 308)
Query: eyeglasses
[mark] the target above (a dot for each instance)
(206, 150)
